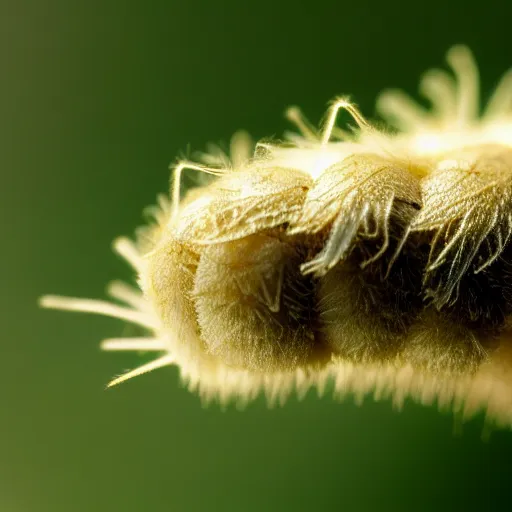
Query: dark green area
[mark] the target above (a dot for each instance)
(96, 99)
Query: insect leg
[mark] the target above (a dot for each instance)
(176, 182)
(341, 103)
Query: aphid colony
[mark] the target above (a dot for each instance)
(380, 260)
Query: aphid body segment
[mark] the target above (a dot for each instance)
(379, 260)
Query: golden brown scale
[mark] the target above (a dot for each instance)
(254, 308)
(243, 203)
(251, 306)
(467, 209)
(355, 197)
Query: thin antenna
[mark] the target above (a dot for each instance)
(176, 184)
(342, 103)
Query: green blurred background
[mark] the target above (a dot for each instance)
(96, 99)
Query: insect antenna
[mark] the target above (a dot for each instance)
(337, 105)
(176, 183)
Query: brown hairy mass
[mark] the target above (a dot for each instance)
(253, 306)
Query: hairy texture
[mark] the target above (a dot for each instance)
(254, 309)
(355, 197)
(439, 345)
(366, 308)
(357, 320)
(468, 204)
(168, 283)
(243, 203)
(378, 261)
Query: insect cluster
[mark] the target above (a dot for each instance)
(377, 259)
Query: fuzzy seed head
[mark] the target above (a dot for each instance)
(378, 260)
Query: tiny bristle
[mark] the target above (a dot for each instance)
(127, 250)
(96, 306)
(125, 293)
(138, 344)
(166, 360)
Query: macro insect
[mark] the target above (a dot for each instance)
(377, 259)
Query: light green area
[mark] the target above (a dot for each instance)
(96, 99)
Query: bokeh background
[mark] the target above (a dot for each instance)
(97, 98)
